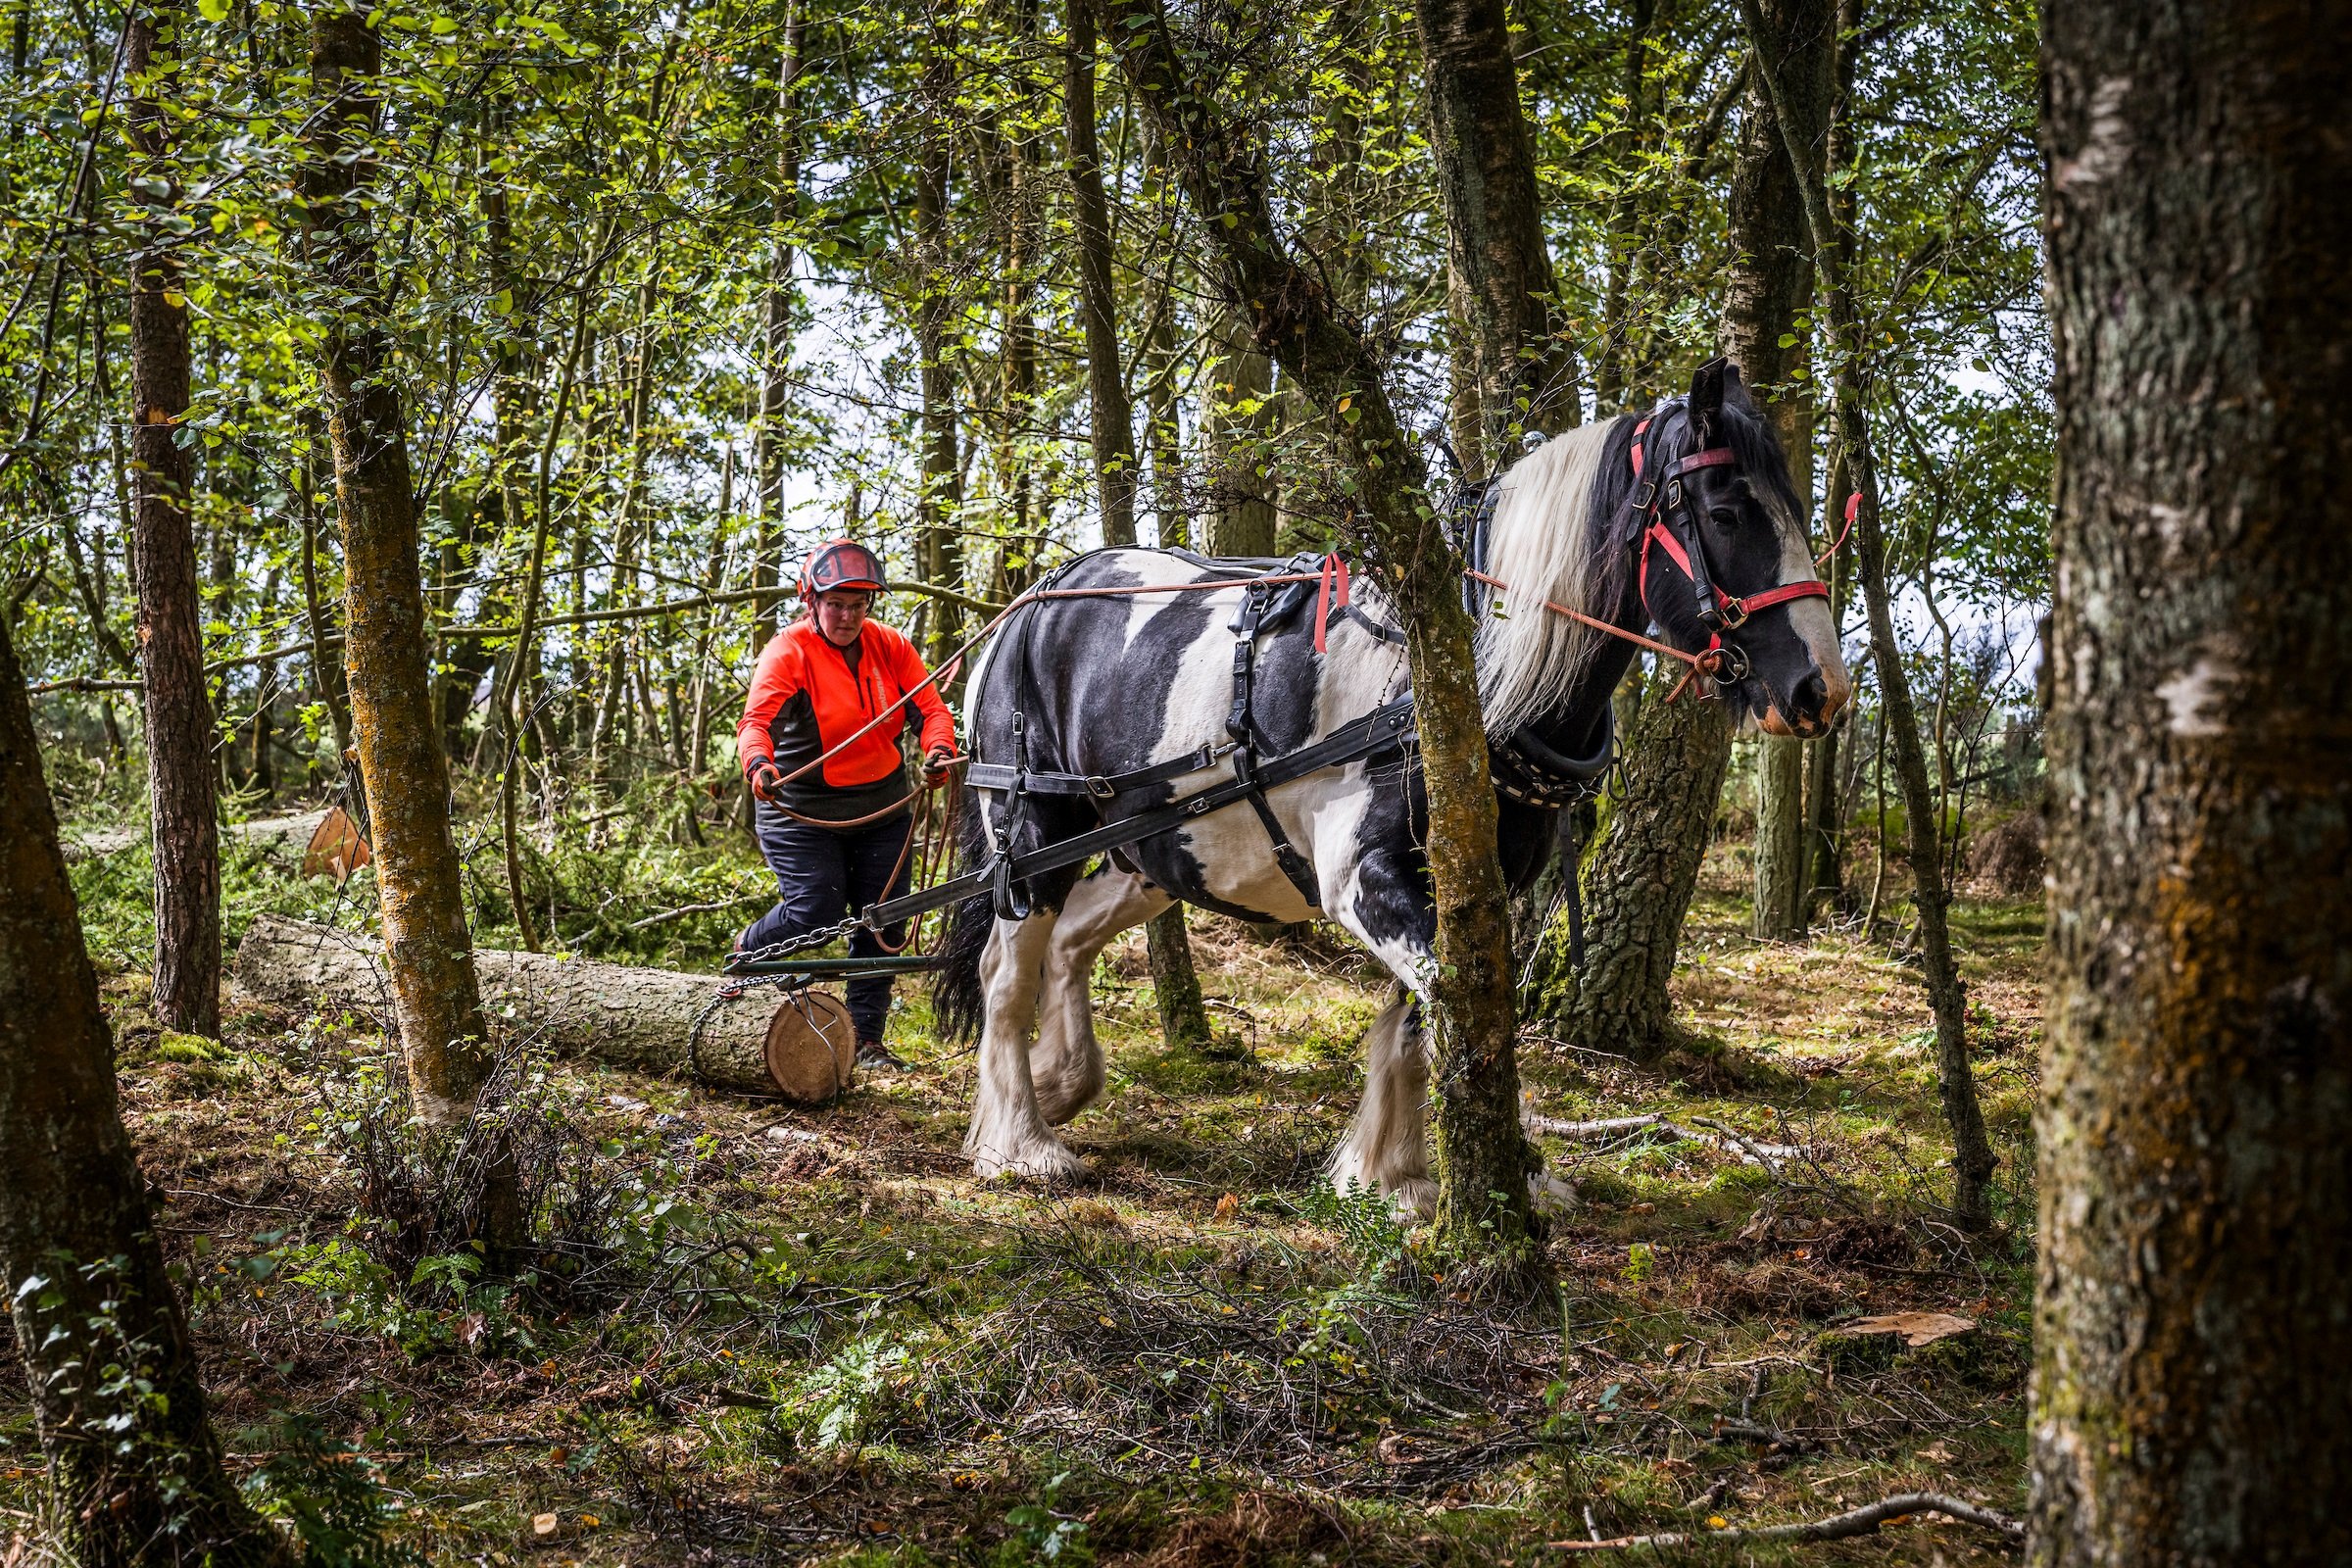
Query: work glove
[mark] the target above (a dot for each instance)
(936, 765)
(767, 780)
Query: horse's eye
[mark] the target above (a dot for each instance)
(1725, 516)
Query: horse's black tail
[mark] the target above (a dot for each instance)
(958, 1003)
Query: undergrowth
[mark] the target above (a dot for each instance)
(740, 1334)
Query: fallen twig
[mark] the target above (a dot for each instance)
(681, 911)
(1862, 1521)
(1767, 1156)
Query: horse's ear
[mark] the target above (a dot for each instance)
(1735, 390)
(1706, 396)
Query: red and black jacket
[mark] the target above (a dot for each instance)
(808, 696)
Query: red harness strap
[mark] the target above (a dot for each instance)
(1331, 593)
(1659, 534)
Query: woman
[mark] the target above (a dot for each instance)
(836, 833)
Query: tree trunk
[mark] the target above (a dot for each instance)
(1482, 1158)
(181, 780)
(2192, 1342)
(1638, 881)
(134, 1463)
(1972, 1158)
(1238, 421)
(1766, 294)
(775, 333)
(1778, 912)
(1183, 1020)
(407, 777)
(939, 548)
(619, 1015)
(1112, 420)
(1486, 168)
(1824, 815)
(1824, 821)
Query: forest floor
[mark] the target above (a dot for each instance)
(759, 1334)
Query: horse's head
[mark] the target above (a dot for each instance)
(1727, 531)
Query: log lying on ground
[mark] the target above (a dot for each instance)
(614, 1013)
(280, 838)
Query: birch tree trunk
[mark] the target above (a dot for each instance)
(181, 781)
(401, 763)
(85, 1281)
(1239, 418)
(1640, 879)
(2193, 1339)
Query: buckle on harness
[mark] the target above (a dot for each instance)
(1643, 494)
(1099, 786)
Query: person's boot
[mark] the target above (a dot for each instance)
(876, 1057)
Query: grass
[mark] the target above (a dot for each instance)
(815, 1336)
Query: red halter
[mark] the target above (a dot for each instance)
(1719, 611)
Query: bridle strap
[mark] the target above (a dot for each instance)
(1729, 611)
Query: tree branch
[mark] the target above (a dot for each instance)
(1862, 1521)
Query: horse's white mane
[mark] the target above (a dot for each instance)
(1540, 542)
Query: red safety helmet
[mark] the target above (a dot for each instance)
(840, 564)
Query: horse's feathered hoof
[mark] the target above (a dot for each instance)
(1416, 1198)
(1045, 1165)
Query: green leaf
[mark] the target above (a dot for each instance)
(213, 10)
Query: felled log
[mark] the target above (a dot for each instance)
(277, 839)
(760, 1042)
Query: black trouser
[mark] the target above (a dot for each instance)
(825, 873)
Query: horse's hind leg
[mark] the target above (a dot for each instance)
(1008, 1132)
(1066, 1064)
(1387, 1147)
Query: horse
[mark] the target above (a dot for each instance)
(1143, 697)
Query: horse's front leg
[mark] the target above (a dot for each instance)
(1065, 1065)
(1379, 897)
(1387, 1147)
(1008, 1134)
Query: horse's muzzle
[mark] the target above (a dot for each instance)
(1813, 708)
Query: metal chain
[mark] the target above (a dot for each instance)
(845, 927)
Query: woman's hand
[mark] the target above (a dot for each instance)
(936, 766)
(767, 780)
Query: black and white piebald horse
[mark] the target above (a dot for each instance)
(1086, 689)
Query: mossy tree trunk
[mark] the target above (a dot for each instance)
(1237, 427)
(2192, 1338)
(939, 551)
(1639, 880)
(391, 682)
(1183, 1017)
(135, 1463)
(1767, 292)
(181, 779)
(1482, 1159)
(1502, 278)
(768, 569)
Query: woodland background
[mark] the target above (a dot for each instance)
(667, 295)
